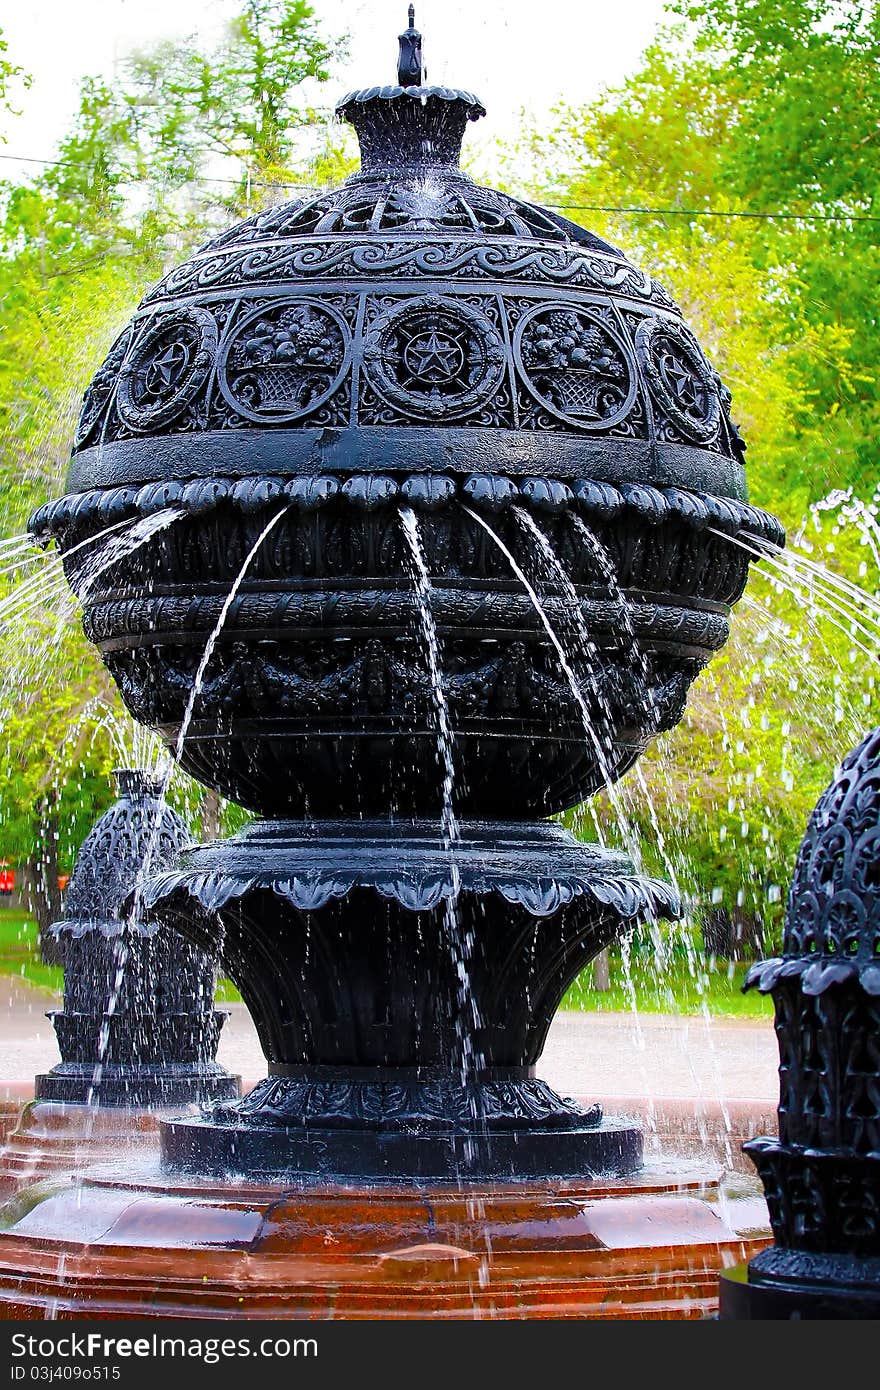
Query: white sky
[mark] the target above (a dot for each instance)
(512, 53)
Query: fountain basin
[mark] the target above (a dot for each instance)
(53, 1138)
(337, 933)
(400, 1038)
(649, 1246)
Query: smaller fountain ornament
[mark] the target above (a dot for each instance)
(138, 1027)
(822, 1175)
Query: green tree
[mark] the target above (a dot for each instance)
(11, 76)
(744, 109)
(244, 111)
(805, 75)
(131, 192)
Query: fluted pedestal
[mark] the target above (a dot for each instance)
(402, 988)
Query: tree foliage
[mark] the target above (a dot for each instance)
(742, 110)
(238, 118)
(155, 161)
(11, 78)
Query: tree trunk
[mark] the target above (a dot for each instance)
(602, 971)
(748, 935)
(30, 898)
(42, 896)
(211, 808)
(717, 928)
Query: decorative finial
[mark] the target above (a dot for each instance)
(409, 65)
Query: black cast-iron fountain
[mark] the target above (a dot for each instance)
(377, 412)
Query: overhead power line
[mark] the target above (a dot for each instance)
(717, 212)
(782, 215)
(72, 164)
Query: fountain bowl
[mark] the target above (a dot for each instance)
(317, 701)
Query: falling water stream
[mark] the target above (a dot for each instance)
(582, 641)
(829, 585)
(564, 662)
(421, 578)
(36, 590)
(121, 950)
(831, 598)
(680, 931)
(796, 581)
(50, 579)
(459, 939)
(608, 570)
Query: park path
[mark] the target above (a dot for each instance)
(652, 1056)
(698, 1088)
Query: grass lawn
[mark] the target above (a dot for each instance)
(20, 954)
(711, 985)
(227, 993)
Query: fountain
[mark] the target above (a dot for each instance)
(459, 516)
(821, 1174)
(138, 1032)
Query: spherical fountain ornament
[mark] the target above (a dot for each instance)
(459, 517)
(822, 1175)
(409, 339)
(138, 1027)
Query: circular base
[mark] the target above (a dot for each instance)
(136, 1086)
(220, 1149)
(122, 1245)
(402, 1124)
(787, 1285)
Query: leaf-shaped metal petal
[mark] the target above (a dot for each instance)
(312, 893)
(417, 895)
(541, 899)
(869, 979)
(819, 977)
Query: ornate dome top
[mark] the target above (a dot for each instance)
(138, 835)
(446, 203)
(334, 334)
(832, 924)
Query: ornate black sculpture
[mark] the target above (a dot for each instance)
(409, 341)
(380, 1061)
(822, 1175)
(138, 1026)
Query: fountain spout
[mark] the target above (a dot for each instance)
(410, 126)
(410, 65)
